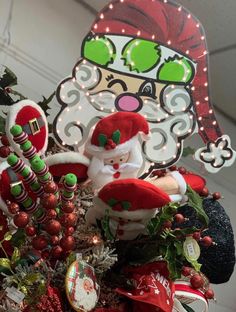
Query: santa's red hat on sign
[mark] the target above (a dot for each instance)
(127, 200)
(117, 134)
(179, 36)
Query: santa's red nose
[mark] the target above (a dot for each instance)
(128, 102)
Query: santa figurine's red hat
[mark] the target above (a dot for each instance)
(117, 134)
(131, 199)
(179, 36)
(130, 204)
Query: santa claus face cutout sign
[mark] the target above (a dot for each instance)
(149, 57)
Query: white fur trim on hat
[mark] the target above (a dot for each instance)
(120, 149)
(67, 158)
(10, 121)
(180, 180)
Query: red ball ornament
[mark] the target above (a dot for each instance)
(67, 243)
(69, 231)
(182, 170)
(209, 294)
(68, 207)
(4, 140)
(196, 281)
(39, 242)
(56, 252)
(21, 219)
(173, 168)
(197, 236)
(206, 241)
(13, 208)
(216, 195)
(49, 201)
(53, 227)
(55, 240)
(30, 230)
(186, 271)
(51, 214)
(68, 219)
(50, 187)
(205, 192)
(179, 218)
(4, 151)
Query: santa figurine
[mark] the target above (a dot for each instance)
(115, 148)
(130, 204)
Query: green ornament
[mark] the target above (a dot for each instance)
(26, 146)
(99, 50)
(176, 70)
(16, 130)
(16, 190)
(141, 55)
(37, 164)
(12, 159)
(25, 172)
(70, 179)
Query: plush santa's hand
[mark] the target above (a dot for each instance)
(175, 184)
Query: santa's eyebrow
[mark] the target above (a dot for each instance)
(109, 77)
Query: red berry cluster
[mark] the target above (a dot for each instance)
(110, 145)
(198, 281)
(206, 241)
(5, 148)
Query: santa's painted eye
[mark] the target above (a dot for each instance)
(118, 81)
(111, 161)
(147, 89)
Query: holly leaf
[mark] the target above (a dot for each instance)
(18, 238)
(44, 103)
(106, 226)
(116, 136)
(170, 257)
(126, 205)
(7, 236)
(179, 247)
(112, 202)
(187, 151)
(8, 79)
(15, 255)
(5, 263)
(152, 226)
(195, 201)
(102, 139)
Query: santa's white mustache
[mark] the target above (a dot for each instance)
(126, 167)
(105, 101)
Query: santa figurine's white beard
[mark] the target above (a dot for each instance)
(85, 299)
(102, 174)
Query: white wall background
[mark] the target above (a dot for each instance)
(45, 38)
